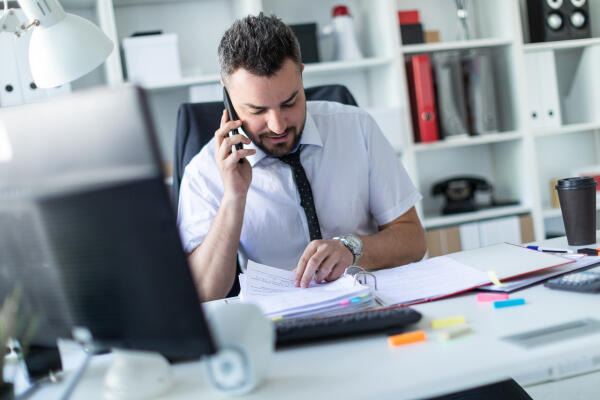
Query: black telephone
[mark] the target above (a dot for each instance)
(459, 193)
(233, 117)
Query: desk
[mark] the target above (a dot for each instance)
(366, 367)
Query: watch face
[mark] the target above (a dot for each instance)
(355, 243)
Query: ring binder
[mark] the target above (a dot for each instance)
(359, 274)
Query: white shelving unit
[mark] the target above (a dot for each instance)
(519, 160)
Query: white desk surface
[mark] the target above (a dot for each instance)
(366, 367)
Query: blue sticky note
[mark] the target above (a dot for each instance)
(355, 300)
(509, 303)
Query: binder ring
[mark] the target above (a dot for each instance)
(360, 275)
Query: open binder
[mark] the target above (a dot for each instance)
(272, 288)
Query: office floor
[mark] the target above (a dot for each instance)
(581, 387)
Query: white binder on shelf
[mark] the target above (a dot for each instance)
(534, 100)
(10, 85)
(549, 89)
(542, 86)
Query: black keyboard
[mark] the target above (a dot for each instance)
(300, 330)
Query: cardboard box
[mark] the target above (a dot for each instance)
(152, 59)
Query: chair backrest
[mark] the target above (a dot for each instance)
(197, 123)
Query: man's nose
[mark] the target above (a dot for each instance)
(276, 122)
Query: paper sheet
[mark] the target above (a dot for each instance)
(425, 280)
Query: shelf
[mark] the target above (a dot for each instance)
(468, 141)
(456, 219)
(310, 69)
(343, 66)
(184, 83)
(571, 128)
(462, 45)
(560, 45)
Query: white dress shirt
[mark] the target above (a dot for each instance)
(357, 183)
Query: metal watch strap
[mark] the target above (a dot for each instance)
(352, 243)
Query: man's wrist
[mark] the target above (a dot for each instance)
(354, 244)
(234, 200)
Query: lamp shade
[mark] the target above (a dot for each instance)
(63, 47)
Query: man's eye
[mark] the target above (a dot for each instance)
(257, 112)
(289, 105)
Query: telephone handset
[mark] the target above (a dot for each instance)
(233, 117)
(459, 193)
(461, 187)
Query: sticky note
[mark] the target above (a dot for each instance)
(444, 322)
(487, 297)
(355, 300)
(344, 302)
(277, 318)
(453, 332)
(494, 278)
(509, 303)
(407, 338)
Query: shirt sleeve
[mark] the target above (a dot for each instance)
(391, 191)
(199, 198)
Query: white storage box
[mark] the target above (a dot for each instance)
(152, 59)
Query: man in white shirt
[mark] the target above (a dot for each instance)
(318, 187)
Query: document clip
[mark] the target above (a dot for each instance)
(360, 275)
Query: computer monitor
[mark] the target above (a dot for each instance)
(87, 229)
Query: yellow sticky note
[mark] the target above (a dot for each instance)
(494, 278)
(444, 322)
(453, 332)
(277, 318)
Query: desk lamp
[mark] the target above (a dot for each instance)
(63, 46)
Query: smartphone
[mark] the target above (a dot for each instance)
(233, 117)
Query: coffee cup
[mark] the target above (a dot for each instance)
(577, 197)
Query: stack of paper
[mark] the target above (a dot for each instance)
(273, 290)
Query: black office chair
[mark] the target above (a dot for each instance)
(197, 123)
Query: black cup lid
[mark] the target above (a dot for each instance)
(580, 182)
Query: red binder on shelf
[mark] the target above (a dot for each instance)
(422, 98)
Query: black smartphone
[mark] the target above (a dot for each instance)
(233, 117)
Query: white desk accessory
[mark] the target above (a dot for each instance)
(137, 375)
(246, 343)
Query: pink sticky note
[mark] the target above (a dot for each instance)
(489, 297)
(343, 303)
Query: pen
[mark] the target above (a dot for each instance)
(549, 250)
(589, 252)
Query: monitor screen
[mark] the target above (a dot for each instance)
(87, 228)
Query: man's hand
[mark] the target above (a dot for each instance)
(328, 259)
(236, 176)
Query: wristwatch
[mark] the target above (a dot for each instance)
(352, 243)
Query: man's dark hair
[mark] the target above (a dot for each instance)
(259, 44)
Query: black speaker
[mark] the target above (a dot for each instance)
(551, 20)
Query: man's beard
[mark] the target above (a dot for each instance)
(277, 149)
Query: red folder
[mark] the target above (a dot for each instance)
(422, 98)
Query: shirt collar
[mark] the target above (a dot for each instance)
(310, 136)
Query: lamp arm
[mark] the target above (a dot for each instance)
(48, 12)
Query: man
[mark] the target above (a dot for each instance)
(318, 187)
